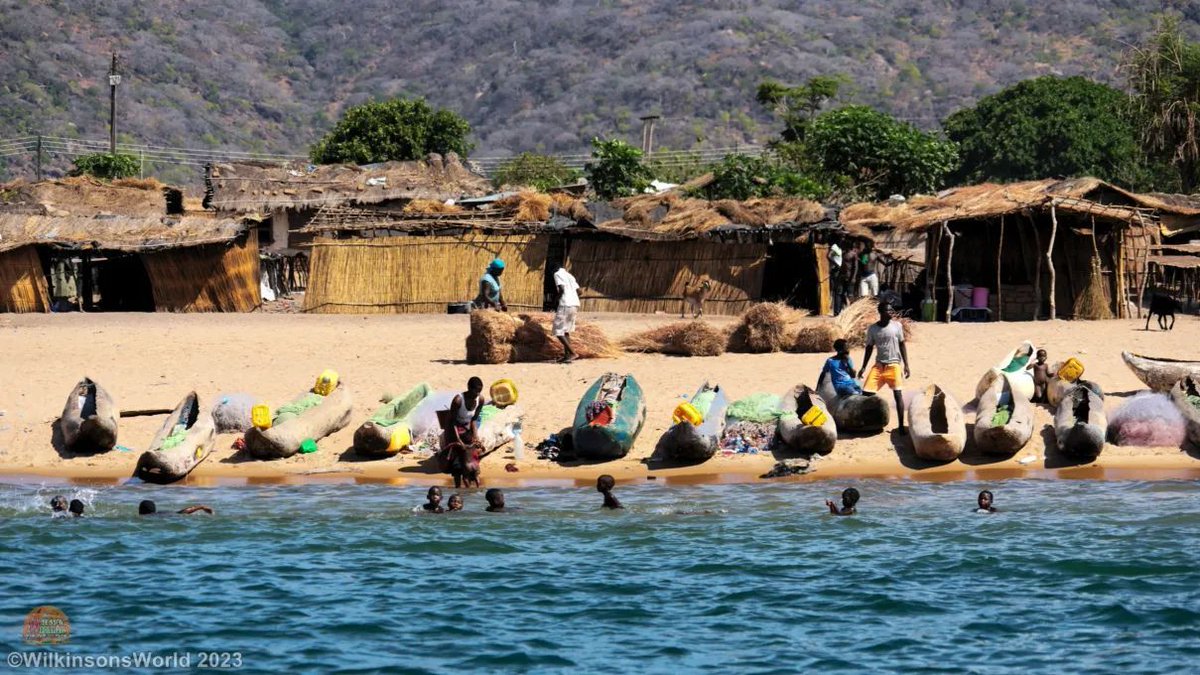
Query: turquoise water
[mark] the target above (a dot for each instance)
(1072, 576)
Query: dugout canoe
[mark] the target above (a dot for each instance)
(89, 419)
(1158, 373)
(373, 439)
(1080, 424)
(998, 436)
(857, 413)
(935, 423)
(687, 442)
(185, 439)
(1012, 367)
(1186, 395)
(283, 439)
(611, 435)
(799, 436)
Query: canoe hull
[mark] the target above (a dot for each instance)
(89, 427)
(856, 414)
(1080, 424)
(936, 425)
(1021, 380)
(807, 439)
(168, 466)
(371, 440)
(613, 440)
(1188, 386)
(1160, 374)
(689, 444)
(1005, 439)
(284, 440)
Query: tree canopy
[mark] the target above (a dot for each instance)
(537, 171)
(797, 106)
(105, 166)
(396, 130)
(616, 169)
(1043, 127)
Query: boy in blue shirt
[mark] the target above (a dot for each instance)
(839, 368)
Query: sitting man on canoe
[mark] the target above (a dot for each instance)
(887, 337)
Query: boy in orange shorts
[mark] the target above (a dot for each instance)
(887, 337)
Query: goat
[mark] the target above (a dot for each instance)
(1164, 306)
(694, 295)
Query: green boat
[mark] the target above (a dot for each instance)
(374, 437)
(609, 417)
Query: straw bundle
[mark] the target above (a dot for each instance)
(766, 327)
(430, 206)
(851, 325)
(491, 337)
(1094, 304)
(528, 207)
(683, 338)
(569, 206)
(140, 183)
(534, 341)
(816, 336)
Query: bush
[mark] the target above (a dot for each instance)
(742, 177)
(616, 169)
(537, 171)
(106, 166)
(395, 130)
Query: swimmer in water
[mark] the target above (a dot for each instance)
(147, 507)
(455, 503)
(849, 500)
(76, 508)
(58, 506)
(434, 503)
(605, 485)
(495, 500)
(985, 502)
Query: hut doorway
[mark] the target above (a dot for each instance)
(103, 282)
(790, 276)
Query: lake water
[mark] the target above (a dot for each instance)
(1071, 576)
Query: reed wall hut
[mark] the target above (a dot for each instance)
(1049, 248)
(84, 244)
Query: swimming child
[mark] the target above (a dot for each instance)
(455, 503)
(76, 508)
(605, 485)
(839, 368)
(849, 499)
(434, 503)
(1041, 377)
(985, 502)
(147, 507)
(58, 506)
(495, 500)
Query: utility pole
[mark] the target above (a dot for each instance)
(114, 79)
(648, 134)
(39, 158)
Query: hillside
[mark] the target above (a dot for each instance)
(270, 75)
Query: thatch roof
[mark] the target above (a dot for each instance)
(263, 186)
(1089, 196)
(84, 196)
(522, 212)
(669, 216)
(117, 233)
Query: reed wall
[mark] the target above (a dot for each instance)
(23, 285)
(421, 274)
(213, 278)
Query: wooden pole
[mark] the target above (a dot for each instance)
(1143, 269)
(999, 293)
(1050, 259)
(949, 273)
(1037, 277)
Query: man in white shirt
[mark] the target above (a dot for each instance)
(568, 306)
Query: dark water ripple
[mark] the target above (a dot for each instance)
(1072, 576)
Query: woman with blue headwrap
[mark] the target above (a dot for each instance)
(490, 295)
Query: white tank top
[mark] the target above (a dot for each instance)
(465, 414)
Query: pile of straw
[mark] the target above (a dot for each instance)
(1093, 303)
(430, 206)
(528, 207)
(851, 325)
(497, 337)
(491, 337)
(534, 341)
(683, 338)
(140, 183)
(766, 327)
(569, 206)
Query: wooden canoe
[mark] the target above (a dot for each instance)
(284, 437)
(373, 438)
(806, 439)
(1080, 424)
(611, 435)
(857, 413)
(1007, 437)
(935, 423)
(1160, 374)
(1185, 394)
(686, 442)
(184, 440)
(89, 419)
(1012, 366)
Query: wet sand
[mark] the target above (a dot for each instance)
(153, 360)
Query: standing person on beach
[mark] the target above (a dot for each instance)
(490, 294)
(868, 280)
(835, 276)
(887, 336)
(567, 290)
(850, 267)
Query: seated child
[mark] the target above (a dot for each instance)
(434, 503)
(1041, 377)
(849, 500)
(839, 368)
(605, 485)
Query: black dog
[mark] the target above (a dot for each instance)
(1163, 306)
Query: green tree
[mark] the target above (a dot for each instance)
(872, 149)
(742, 177)
(106, 166)
(797, 106)
(1164, 75)
(1045, 127)
(616, 169)
(537, 171)
(396, 130)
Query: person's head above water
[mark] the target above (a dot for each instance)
(147, 507)
(495, 498)
(455, 503)
(841, 347)
(985, 499)
(76, 507)
(849, 498)
(605, 483)
(475, 386)
(58, 504)
(434, 495)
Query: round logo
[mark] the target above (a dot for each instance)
(46, 625)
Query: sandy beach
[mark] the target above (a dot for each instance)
(152, 360)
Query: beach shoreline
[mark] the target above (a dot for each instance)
(152, 360)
